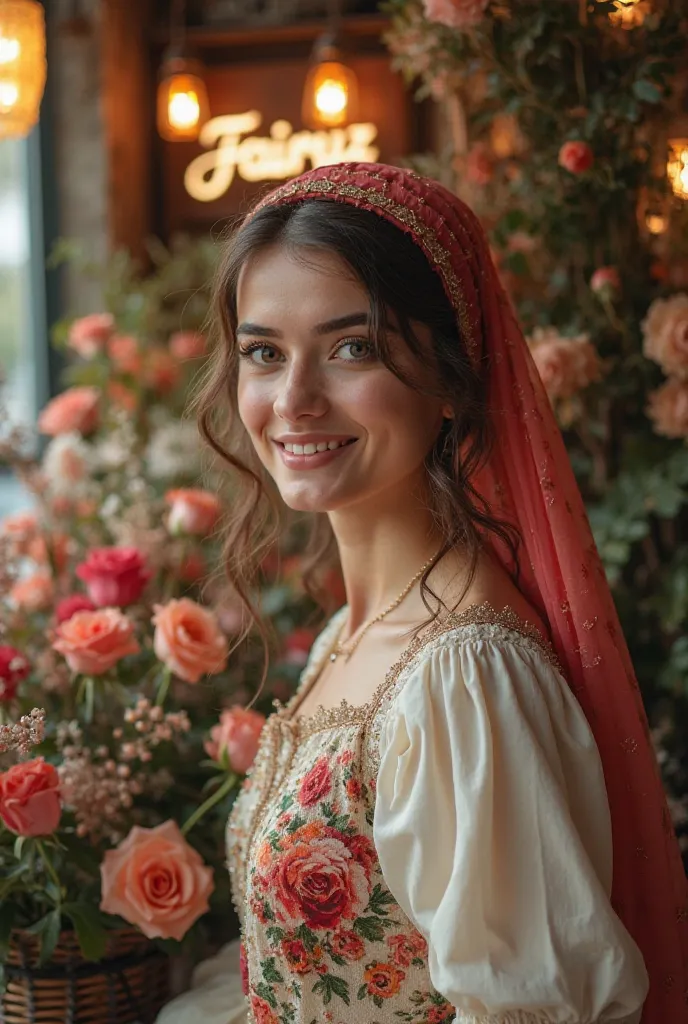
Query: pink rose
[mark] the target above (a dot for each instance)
(156, 881)
(665, 334)
(193, 511)
(20, 529)
(69, 606)
(124, 352)
(262, 1011)
(576, 157)
(14, 668)
(316, 783)
(187, 345)
(92, 642)
(189, 640)
(298, 645)
(75, 409)
(566, 365)
(238, 733)
(161, 370)
(605, 282)
(33, 594)
(30, 799)
(90, 334)
(348, 945)
(114, 576)
(318, 881)
(459, 14)
(668, 408)
(406, 948)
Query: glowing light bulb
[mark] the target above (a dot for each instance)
(9, 94)
(9, 50)
(184, 110)
(677, 167)
(332, 98)
(656, 223)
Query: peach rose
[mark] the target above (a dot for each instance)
(668, 408)
(20, 529)
(161, 370)
(90, 334)
(74, 409)
(156, 881)
(51, 548)
(92, 642)
(30, 798)
(238, 733)
(665, 334)
(459, 14)
(565, 365)
(383, 980)
(193, 511)
(33, 594)
(121, 396)
(576, 157)
(189, 640)
(124, 352)
(187, 345)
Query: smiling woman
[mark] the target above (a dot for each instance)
(427, 831)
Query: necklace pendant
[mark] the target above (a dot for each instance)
(333, 657)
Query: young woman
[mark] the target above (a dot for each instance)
(458, 816)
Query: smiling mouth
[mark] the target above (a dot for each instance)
(315, 449)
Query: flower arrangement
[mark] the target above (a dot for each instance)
(558, 117)
(125, 726)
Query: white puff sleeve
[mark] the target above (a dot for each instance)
(493, 830)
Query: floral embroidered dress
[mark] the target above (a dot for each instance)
(440, 854)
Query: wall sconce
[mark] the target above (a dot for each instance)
(330, 95)
(677, 167)
(182, 101)
(22, 66)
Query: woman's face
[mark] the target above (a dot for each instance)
(308, 376)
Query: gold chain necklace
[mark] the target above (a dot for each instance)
(347, 648)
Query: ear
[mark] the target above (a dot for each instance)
(448, 413)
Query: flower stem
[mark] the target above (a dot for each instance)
(164, 687)
(226, 787)
(50, 869)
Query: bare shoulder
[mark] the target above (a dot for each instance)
(491, 584)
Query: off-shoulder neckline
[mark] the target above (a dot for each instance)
(345, 713)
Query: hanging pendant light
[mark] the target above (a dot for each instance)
(330, 95)
(182, 102)
(22, 66)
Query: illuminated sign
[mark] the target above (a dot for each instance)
(234, 151)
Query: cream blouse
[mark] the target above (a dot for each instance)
(492, 829)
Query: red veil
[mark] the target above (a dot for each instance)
(529, 480)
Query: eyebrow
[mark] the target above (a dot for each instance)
(339, 323)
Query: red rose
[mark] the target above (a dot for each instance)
(353, 788)
(316, 784)
(363, 851)
(14, 668)
(576, 157)
(262, 1011)
(405, 948)
(243, 968)
(605, 282)
(298, 958)
(440, 1014)
(30, 798)
(69, 606)
(318, 882)
(347, 945)
(383, 980)
(114, 576)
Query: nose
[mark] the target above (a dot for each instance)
(301, 393)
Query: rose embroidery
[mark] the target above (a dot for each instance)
(316, 784)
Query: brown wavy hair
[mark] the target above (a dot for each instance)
(401, 285)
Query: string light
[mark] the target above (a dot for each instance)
(22, 66)
(677, 167)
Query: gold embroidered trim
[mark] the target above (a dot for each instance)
(352, 714)
(425, 236)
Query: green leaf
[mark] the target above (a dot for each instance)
(270, 972)
(48, 929)
(370, 928)
(88, 925)
(19, 846)
(267, 994)
(648, 91)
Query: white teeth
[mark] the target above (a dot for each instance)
(311, 449)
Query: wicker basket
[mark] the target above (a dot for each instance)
(128, 986)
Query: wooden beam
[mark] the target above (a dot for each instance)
(128, 114)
